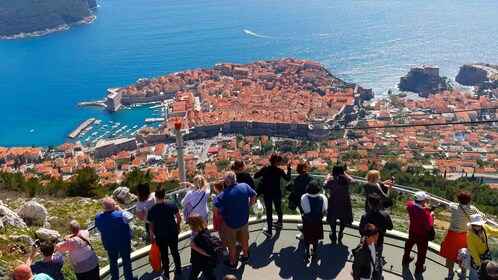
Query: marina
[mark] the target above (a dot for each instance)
(82, 126)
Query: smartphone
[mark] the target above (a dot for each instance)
(37, 243)
(433, 207)
(393, 179)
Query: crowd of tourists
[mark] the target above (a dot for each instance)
(465, 243)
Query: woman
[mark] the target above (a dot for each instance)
(340, 208)
(50, 264)
(195, 201)
(146, 200)
(270, 188)
(218, 187)
(456, 236)
(301, 182)
(201, 261)
(85, 262)
(477, 242)
(242, 177)
(374, 186)
(313, 204)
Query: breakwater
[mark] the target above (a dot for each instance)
(82, 126)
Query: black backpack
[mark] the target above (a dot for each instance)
(216, 250)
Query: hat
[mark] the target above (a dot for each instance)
(420, 195)
(476, 220)
(313, 187)
(492, 269)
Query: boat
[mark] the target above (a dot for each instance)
(32, 130)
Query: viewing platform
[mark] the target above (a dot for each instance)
(281, 257)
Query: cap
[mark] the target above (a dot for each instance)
(476, 220)
(313, 187)
(420, 195)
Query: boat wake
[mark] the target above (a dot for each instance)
(256, 34)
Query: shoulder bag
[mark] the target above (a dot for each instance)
(187, 210)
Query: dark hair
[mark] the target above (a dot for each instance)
(302, 168)
(464, 197)
(47, 248)
(374, 202)
(220, 185)
(275, 159)
(370, 230)
(237, 165)
(337, 170)
(160, 192)
(143, 191)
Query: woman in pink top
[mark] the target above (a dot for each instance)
(85, 262)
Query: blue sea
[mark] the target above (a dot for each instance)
(372, 43)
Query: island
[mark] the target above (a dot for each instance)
(423, 80)
(26, 18)
(483, 76)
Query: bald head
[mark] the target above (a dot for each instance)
(108, 203)
(23, 272)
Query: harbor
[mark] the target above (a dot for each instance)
(81, 127)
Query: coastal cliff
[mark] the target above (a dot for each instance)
(423, 80)
(25, 18)
(483, 76)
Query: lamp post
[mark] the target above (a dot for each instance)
(180, 150)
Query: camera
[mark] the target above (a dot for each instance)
(37, 243)
(393, 179)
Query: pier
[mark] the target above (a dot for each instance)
(153, 120)
(82, 126)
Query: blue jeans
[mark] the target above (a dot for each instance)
(113, 263)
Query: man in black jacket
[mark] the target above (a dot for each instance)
(377, 217)
(366, 262)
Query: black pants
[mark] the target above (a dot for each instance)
(277, 201)
(89, 275)
(171, 241)
(208, 274)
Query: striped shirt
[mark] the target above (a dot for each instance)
(458, 218)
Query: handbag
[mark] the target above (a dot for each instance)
(187, 210)
(155, 257)
(292, 202)
(431, 233)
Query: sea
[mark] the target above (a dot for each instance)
(371, 43)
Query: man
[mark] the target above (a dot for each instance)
(164, 230)
(116, 236)
(366, 264)
(23, 272)
(233, 204)
(421, 221)
(377, 217)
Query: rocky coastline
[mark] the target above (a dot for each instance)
(423, 80)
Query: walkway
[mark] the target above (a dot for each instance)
(281, 257)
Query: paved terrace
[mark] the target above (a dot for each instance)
(281, 257)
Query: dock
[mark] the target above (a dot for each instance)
(82, 126)
(153, 120)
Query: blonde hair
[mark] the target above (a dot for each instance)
(196, 222)
(200, 183)
(373, 176)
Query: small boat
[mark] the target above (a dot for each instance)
(32, 130)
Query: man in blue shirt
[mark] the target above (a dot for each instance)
(233, 205)
(116, 236)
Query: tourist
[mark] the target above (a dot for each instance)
(23, 272)
(146, 200)
(374, 185)
(230, 277)
(340, 208)
(314, 204)
(85, 262)
(195, 201)
(380, 218)
(366, 255)
(456, 236)
(242, 177)
(164, 230)
(421, 222)
(233, 204)
(116, 236)
(299, 188)
(200, 245)
(50, 264)
(270, 189)
(218, 187)
(489, 270)
(477, 242)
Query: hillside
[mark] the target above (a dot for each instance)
(24, 18)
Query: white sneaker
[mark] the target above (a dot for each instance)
(299, 236)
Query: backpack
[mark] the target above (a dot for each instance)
(216, 250)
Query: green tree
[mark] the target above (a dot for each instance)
(84, 183)
(135, 177)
